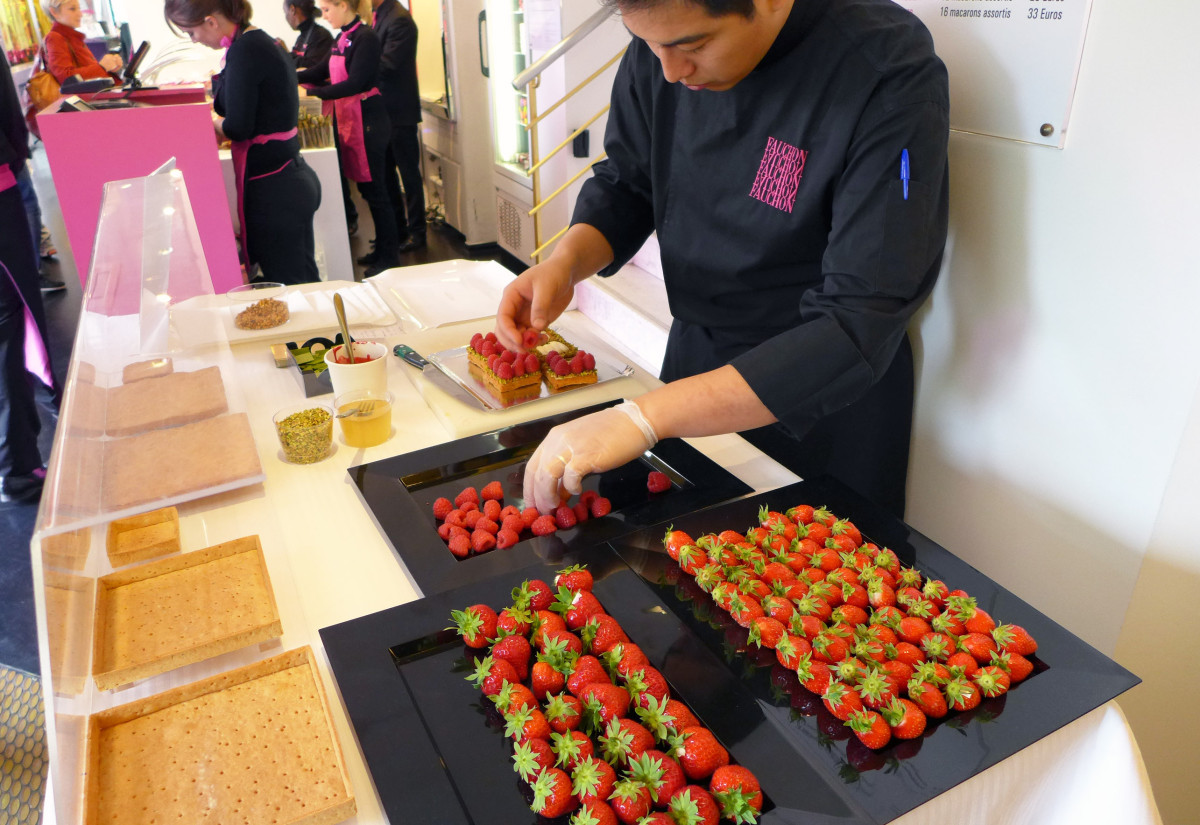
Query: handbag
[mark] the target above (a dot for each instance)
(39, 91)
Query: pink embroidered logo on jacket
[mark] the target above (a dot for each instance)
(779, 174)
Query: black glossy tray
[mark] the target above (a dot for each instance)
(399, 493)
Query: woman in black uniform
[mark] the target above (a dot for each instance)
(314, 42)
(362, 121)
(257, 103)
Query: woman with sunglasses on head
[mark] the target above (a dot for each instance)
(256, 103)
(362, 121)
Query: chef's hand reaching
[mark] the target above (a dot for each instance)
(591, 444)
(532, 301)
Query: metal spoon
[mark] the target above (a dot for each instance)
(340, 308)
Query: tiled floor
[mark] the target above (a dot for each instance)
(18, 633)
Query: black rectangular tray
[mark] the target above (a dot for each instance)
(433, 757)
(399, 493)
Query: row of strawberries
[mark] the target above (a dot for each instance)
(594, 726)
(885, 647)
(477, 521)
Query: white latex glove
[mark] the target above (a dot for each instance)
(591, 444)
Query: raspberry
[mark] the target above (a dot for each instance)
(589, 361)
(531, 363)
(581, 512)
(491, 509)
(510, 510)
(529, 515)
(577, 362)
(505, 371)
(486, 348)
(491, 336)
(492, 490)
(492, 361)
(530, 339)
(514, 523)
(600, 506)
(657, 482)
(455, 518)
(444, 531)
(477, 341)
(471, 519)
(441, 507)
(469, 494)
(564, 517)
(460, 545)
(588, 496)
(518, 367)
(468, 505)
(507, 538)
(543, 526)
(482, 541)
(508, 356)
(561, 367)
(486, 523)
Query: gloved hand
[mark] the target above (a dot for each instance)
(591, 444)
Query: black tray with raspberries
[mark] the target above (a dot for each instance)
(403, 493)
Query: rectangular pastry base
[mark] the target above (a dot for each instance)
(143, 536)
(169, 613)
(253, 745)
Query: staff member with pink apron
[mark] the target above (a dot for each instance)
(257, 103)
(362, 121)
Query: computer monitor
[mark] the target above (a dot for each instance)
(129, 75)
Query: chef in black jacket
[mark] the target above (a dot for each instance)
(791, 155)
(313, 43)
(21, 473)
(398, 85)
(362, 121)
(255, 99)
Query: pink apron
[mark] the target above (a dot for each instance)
(240, 149)
(37, 360)
(349, 115)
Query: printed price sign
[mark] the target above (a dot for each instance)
(1013, 63)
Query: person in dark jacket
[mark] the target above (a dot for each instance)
(21, 470)
(792, 157)
(398, 84)
(314, 42)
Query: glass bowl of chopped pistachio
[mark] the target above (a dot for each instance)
(259, 305)
(305, 431)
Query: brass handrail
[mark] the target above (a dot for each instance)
(562, 47)
(537, 207)
(534, 121)
(570, 138)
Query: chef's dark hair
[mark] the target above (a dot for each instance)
(306, 7)
(192, 12)
(714, 8)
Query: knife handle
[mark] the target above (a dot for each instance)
(410, 355)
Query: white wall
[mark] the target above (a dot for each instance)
(1057, 436)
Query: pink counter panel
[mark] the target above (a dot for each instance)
(88, 149)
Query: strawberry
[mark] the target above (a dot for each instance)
(575, 577)
(526, 723)
(603, 701)
(647, 683)
(514, 696)
(656, 818)
(624, 740)
(625, 657)
(570, 748)
(767, 632)
(534, 594)
(545, 623)
(516, 650)
(789, 650)
(460, 545)
(737, 791)
(552, 795)
(674, 540)
(600, 507)
(560, 646)
(870, 728)
(630, 801)
(476, 624)
(679, 716)
(512, 620)
(905, 718)
(491, 675)
(801, 513)
(545, 679)
(581, 607)
(531, 758)
(1016, 665)
(564, 712)
(482, 541)
(962, 662)
(593, 779)
(841, 700)
(962, 695)
(992, 681)
(693, 805)
(543, 526)
(601, 633)
(701, 753)
(595, 812)
(661, 774)
(657, 482)
(587, 670)
(979, 645)
(813, 674)
(1013, 638)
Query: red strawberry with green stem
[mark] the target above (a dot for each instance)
(693, 805)
(701, 753)
(593, 779)
(476, 625)
(630, 801)
(552, 795)
(870, 728)
(737, 792)
(531, 757)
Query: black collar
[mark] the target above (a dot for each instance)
(801, 20)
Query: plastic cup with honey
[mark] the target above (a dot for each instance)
(365, 417)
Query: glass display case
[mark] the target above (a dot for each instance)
(149, 427)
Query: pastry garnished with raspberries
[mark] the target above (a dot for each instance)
(562, 373)
(509, 375)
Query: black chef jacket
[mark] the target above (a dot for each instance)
(786, 236)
